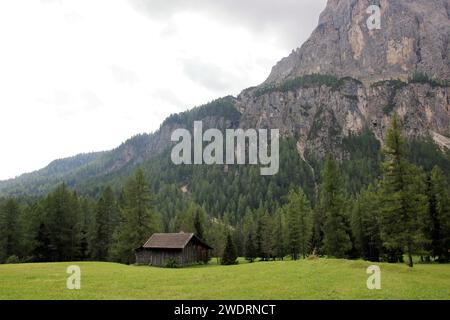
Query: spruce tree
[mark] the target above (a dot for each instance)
(300, 224)
(264, 236)
(9, 230)
(279, 239)
(229, 256)
(138, 221)
(86, 222)
(198, 224)
(105, 218)
(366, 224)
(317, 238)
(250, 248)
(403, 201)
(41, 251)
(438, 227)
(332, 204)
(62, 224)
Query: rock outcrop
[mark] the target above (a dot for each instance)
(414, 36)
(320, 117)
(372, 68)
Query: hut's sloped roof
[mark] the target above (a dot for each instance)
(171, 241)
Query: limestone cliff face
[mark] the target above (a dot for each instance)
(414, 36)
(320, 117)
(373, 66)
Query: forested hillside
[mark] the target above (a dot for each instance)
(364, 160)
(353, 208)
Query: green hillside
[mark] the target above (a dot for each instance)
(314, 279)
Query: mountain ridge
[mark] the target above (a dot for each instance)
(312, 97)
(414, 37)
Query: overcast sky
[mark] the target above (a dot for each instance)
(84, 75)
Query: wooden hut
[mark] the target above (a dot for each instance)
(180, 249)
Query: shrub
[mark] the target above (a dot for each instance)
(172, 264)
(12, 260)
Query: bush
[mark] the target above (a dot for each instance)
(12, 260)
(423, 78)
(172, 264)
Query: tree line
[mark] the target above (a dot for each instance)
(404, 213)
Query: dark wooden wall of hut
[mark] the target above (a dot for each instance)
(159, 257)
(194, 253)
(191, 254)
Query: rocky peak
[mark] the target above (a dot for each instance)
(414, 37)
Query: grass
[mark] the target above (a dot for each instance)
(315, 279)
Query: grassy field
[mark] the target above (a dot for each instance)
(315, 279)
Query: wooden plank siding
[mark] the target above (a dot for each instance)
(193, 252)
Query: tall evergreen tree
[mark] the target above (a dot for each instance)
(216, 237)
(32, 232)
(404, 203)
(279, 238)
(300, 223)
(336, 241)
(9, 230)
(229, 256)
(437, 224)
(138, 221)
(62, 225)
(366, 224)
(105, 219)
(317, 238)
(86, 221)
(198, 224)
(264, 236)
(250, 248)
(42, 249)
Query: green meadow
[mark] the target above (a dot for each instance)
(305, 279)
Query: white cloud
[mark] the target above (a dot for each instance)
(84, 75)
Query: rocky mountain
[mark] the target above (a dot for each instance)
(345, 79)
(414, 37)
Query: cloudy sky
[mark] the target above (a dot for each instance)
(84, 75)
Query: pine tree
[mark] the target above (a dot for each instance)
(404, 203)
(216, 237)
(250, 248)
(9, 230)
(86, 221)
(41, 251)
(138, 219)
(229, 256)
(300, 223)
(366, 224)
(317, 238)
(437, 228)
(104, 223)
(279, 235)
(62, 225)
(264, 239)
(198, 224)
(32, 230)
(336, 241)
